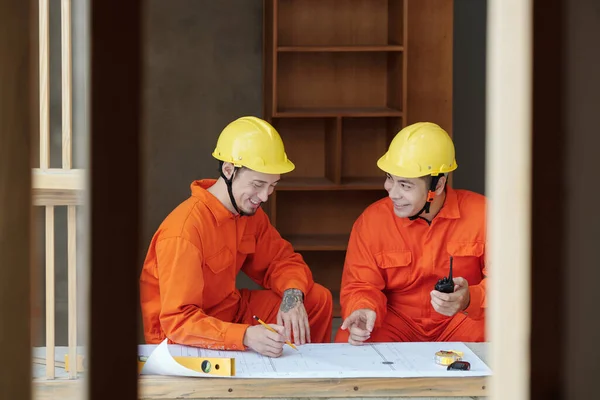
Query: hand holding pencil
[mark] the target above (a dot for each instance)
(264, 339)
(273, 330)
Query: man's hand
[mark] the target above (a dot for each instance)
(292, 315)
(450, 303)
(263, 341)
(360, 324)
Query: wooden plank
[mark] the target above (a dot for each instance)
(44, 67)
(334, 23)
(350, 81)
(295, 112)
(333, 150)
(549, 318)
(63, 179)
(275, 60)
(405, 105)
(163, 388)
(42, 361)
(331, 212)
(356, 49)
(508, 131)
(170, 388)
(72, 284)
(16, 114)
(115, 100)
(66, 64)
(268, 61)
(57, 197)
(50, 292)
(429, 43)
(347, 183)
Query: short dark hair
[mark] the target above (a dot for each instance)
(240, 169)
(429, 178)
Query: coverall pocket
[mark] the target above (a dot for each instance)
(467, 260)
(395, 266)
(220, 261)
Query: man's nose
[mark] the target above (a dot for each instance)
(263, 195)
(395, 192)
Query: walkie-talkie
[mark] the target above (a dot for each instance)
(446, 285)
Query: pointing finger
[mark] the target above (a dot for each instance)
(348, 321)
(371, 321)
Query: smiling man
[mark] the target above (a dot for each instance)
(402, 245)
(188, 282)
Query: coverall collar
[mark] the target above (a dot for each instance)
(218, 210)
(449, 209)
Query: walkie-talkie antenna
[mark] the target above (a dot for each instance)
(446, 285)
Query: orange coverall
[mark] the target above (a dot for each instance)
(188, 281)
(392, 264)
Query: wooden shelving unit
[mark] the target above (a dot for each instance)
(337, 83)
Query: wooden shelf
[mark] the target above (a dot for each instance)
(335, 23)
(341, 79)
(324, 213)
(363, 183)
(318, 242)
(358, 183)
(332, 49)
(301, 183)
(308, 112)
(348, 83)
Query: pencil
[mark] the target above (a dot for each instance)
(273, 330)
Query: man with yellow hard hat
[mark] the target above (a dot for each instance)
(188, 282)
(396, 282)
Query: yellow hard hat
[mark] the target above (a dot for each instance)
(420, 149)
(253, 143)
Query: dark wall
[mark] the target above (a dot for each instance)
(469, 93)
(582, 221)
(203, 66)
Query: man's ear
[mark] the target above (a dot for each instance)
(439, 189)
(228, 169)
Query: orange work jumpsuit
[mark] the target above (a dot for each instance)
(392, 264)
(188, 281)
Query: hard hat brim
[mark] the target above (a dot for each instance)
(279, 168)
(393, 169)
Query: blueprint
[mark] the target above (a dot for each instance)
(327, 360)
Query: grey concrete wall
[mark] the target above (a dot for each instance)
(468, 113)
(203, 69)
(581, 219)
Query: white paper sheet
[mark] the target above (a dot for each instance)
(328, 360)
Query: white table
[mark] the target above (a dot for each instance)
(159, 387)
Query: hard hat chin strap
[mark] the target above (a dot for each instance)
(229, 182)
(430, 196)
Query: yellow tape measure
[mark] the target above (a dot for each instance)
(447, 357)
